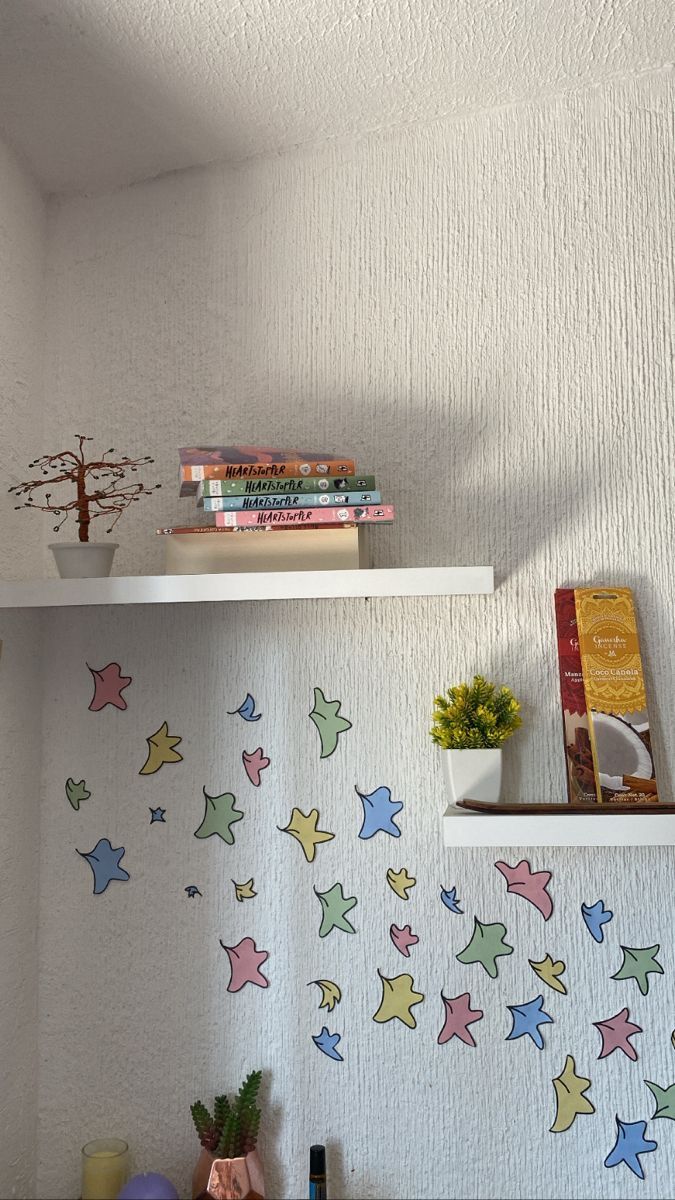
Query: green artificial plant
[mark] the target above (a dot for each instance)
(475, 716)
(232, 1130)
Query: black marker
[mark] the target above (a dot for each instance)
(317, 1173)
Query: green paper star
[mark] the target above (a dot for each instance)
(335, 906)
(665, 1100)
(638, 964)
(219, 817)
(486, 946)
(76, 793)
(329, 724)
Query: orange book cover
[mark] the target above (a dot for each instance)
(250, 462)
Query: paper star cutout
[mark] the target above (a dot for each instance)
(303, 828)
(329, 724)
(334, 908)
(244, 891)
(254, 764)
(549, 972)
(450, 900)
(403, 939)
(219, 817)
(76, 793)
(157, 814)
(526, 1021)
(246, 709)
(105, 864)
(570, 1097)
(486, 946)
(192, 891)
(379, 811)
(531, 885)
(638, 964)
(245, 964)
(615, 1032)
(458, 1016)
(327, 1043)
(630, 1142)
(109, 683)
(398, 999)
(330, 993)
(400, 882)
(595, 916)
(665, 1100)
(160, 750)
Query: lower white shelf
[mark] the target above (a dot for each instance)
(462, 828)
(261, 585)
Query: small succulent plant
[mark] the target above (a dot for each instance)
(474, 716)
(232, 1130)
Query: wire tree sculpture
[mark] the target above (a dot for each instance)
(99, 484)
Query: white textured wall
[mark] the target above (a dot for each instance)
(489, 304)
(22, 248)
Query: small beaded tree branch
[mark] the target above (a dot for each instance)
(72, 466)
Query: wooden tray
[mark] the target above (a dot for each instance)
(571, 810)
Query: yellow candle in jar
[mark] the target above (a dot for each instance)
(105, 1168)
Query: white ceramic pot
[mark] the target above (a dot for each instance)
(83, 560)
(473, 774)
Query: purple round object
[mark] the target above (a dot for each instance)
(148, 1187)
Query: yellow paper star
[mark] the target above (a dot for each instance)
(244, 891)
(303, 828)
(549, 972)
(570, 1100)
(400, 882)
(398, 998)
(160, 750)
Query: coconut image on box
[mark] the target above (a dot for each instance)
(607, 740)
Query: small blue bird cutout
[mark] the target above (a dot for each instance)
(449, 898)
(327, 1043)
(379, 811)
(526, 1020)
(157, 814)
(595, 916)
(630, 1142)
(246, 709)
(192, 891)
(105, 864)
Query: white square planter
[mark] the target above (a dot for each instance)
(472, 774)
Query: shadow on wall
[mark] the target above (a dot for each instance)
(85, 65)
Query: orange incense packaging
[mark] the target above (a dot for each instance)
(615, 698)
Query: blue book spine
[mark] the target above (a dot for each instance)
(290, 501)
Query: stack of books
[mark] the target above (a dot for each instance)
(311, 508)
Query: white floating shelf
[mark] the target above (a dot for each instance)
(268, 585)
(462, 828)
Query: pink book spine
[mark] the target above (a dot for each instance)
(305, 516)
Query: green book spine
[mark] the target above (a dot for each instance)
(271, 487)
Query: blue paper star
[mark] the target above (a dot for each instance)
(630, 1141)
(526, 1020)
(379, 811)
(157, 814)
(192, 891)
(450, 900)
(327, 1042)
(105, 864)
(595, 916)
(246, 709)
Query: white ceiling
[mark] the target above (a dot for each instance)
(98, 93)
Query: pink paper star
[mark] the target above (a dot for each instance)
(254, 764)
(109, 683)
(615, 1032)
(403, 939)
(245, 964)
(529, 884)
(458, 1016)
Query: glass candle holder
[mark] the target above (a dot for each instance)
(105, 1168)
